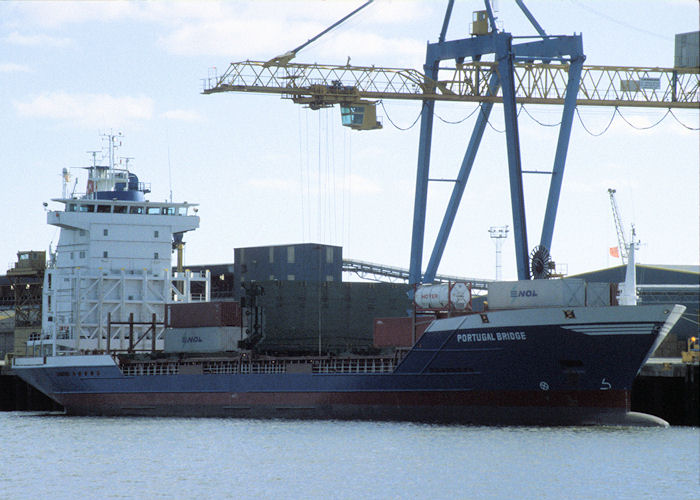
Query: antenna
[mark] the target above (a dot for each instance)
(94, 157)
(498, 235)
(113, 143)
(126, 159)
(170, 172)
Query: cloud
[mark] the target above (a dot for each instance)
(362, 185)
(363, 46)
(262, 30)
(355, 184)
(14, 68)
(273, 185)
(87, 109)
(236, 36)
(55, 14)
(17, 38)
(183, 115)
(246, 29)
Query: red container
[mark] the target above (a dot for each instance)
(195, 314)
(396, 332)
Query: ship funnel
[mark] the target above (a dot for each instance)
(179, 246)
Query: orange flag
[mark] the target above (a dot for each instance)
(615, 252)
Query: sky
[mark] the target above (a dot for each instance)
(266, 171)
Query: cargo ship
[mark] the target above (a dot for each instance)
(541, 352)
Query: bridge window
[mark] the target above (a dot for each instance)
(153, 210)
(104, 209)
(120, 209)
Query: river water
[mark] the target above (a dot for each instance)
(58, 457)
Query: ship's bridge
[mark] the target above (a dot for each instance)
(83, 213)
(125, 207)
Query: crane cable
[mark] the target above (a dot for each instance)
(593, 133)
(301, 177)
(522, 106)
(394, 124)
(641, 128)
(683, 124)
(616, 111)
(458, 121)
(449, 122)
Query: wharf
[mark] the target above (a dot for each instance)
(668, 388)
(16, 395)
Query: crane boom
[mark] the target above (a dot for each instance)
(621, 241)
(318, 85)
(288, 56)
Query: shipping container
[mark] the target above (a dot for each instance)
(568, 292)
(455, 296)
(309, 262)
(397, 332)
(687, 53)
(300, 316)
(597, 294)
(196, 314)
(202, 339)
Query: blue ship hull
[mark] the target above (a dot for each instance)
(546, 366)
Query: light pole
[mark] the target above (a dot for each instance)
(498, 234)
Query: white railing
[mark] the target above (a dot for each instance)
(372, 365)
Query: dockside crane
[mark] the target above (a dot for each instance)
(543, 69)
(623, 247)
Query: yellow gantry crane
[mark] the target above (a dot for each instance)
(321, 85)
(543, 69)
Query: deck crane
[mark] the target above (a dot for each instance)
(621, 240)
(620, 229)
(543, 69)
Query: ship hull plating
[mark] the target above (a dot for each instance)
(465, 407)
(470, 369)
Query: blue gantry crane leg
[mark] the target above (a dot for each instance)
(421, 197)
(460, 183)
(506, 53)
(504, 57)
(567, 118)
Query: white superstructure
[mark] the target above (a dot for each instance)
(113, 260)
